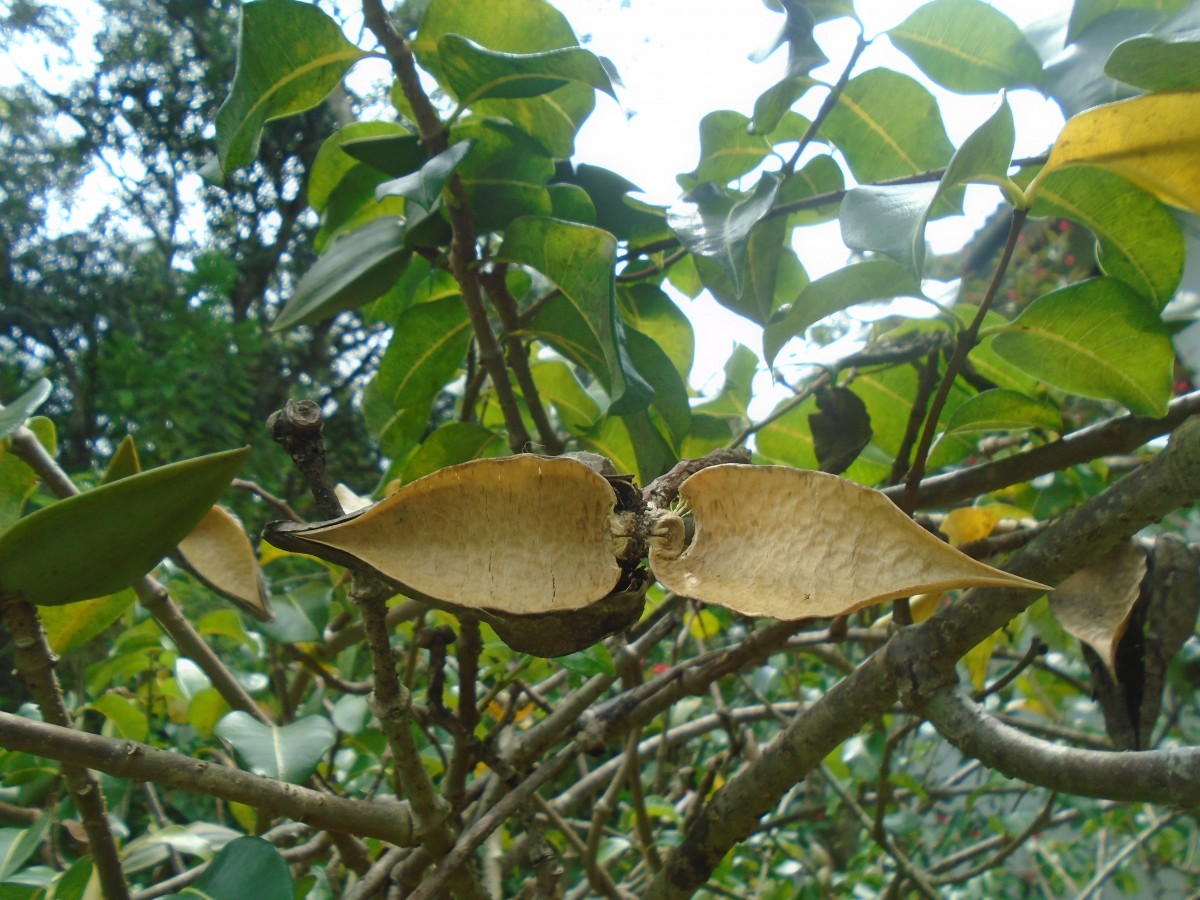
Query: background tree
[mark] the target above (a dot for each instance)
(399, 730)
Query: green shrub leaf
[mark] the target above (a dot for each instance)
(283, 752)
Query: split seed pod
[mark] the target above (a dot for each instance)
(794, 544)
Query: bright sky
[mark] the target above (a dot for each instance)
(676, 67)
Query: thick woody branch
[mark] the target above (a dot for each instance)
(386, 820)
(919, 662)
(1171, 777)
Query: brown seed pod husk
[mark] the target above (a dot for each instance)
(795, 544)
(522, 535)
(219, 553)
(1095, 603)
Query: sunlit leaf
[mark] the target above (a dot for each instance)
(16, 413)
(291, 55)
(1137, 239)
(1098, 339)
(505, 175)
(1002, 410)
(17, 480)
(451, 444)
(968, 46)
(1152, 141)
(101, 541)
(72, 625)
(559, 387)
(1156, 63)
(968, 524)
(427, 347)
(425, 185)
(474, 73)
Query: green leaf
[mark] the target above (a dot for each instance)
(340, 162)
(968, 46)
(245, 867)
(625, 217)
(17, 480)
(717, 224)
(16, 413)
(512, 26)
(772, 273)
(427, 348)
(877, 279)
(355, 269)
(1157, 63)
(283, 752)
(71, 625)
(788, 440)
(582, 323)
(707, 433)
(1002, 410)
(103, 540)
(505, 174)
(886, 125)
(773, 103)
(1137, 239)
(301, 614)
(611, 438)
(425, 185)
(558, 386)
(18, 844)
(572, 203)
(125, 715)
(474, 73)
(1085, 12)
(451, 444)
(670, 391)
(891, 219)
(729, 149)
(840, 430)
(123, 463)
(394, 150)
(734, 399)
(1097, 339)
(291, 55)
(648, 309)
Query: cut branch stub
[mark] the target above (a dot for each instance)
(793, 544)
(522, 535)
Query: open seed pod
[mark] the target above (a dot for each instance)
(793, 544)
(219, 553)
(524, 536)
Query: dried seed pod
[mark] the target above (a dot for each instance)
(793, 544)
(218, 552)
(522, 535)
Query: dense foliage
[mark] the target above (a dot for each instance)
(434, 265)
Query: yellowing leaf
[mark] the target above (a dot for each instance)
(74, 624)
(1152, 141)
(923, 606)
(218, 552)
(972, 523)
(704, 625)
(793, 544)
(977, 660)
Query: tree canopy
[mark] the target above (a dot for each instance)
(923, 628)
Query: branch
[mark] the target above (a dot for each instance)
(386, 820)
(1170, 777)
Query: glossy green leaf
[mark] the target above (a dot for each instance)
(245, 867)
(1155, 63)
(426, 350)
(652, 445)
(878, 279)
(617, 212)
(18, 844)
(16, 413)
(556, 385)
(425, 185)
(1137, 239)
(512, 26)
(968, 46)
(355, 269)
(386, 146)
(1002, 410)
(1098, 339)
(505, 176)
(773, 103)
(611, 438)
(101, 541)
(819, 176)
(670, 389)
(734, 399)
(891, 219)
(123, 463)
(648, 309)
(1085, 12)
(717, 225)
(474, 73)
(787, 440)
(1076, 79)
(886, 125)
(705, 434)
(572, 203)
(729, 149)
(127, 718)
(578, 260)
(301, 614)
(71, 625)
(291, 55)
(451, 444)
(283, 752)
(17, 480)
